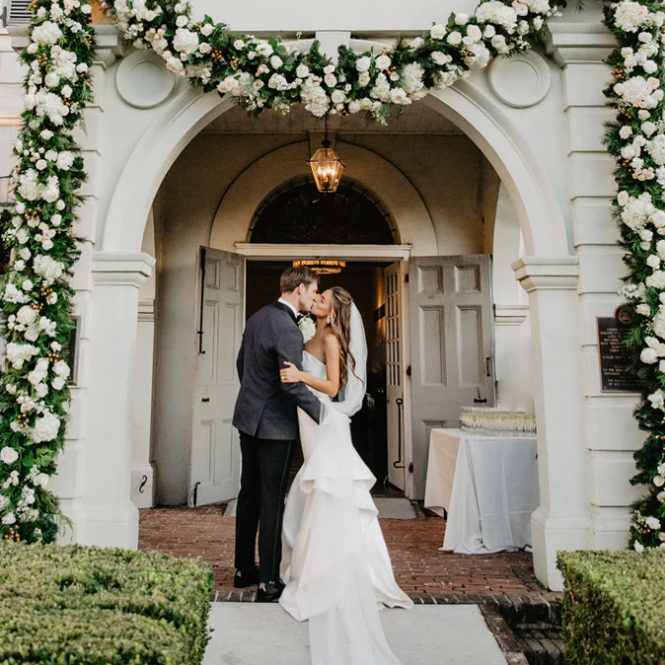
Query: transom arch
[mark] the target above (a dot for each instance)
(297, 213)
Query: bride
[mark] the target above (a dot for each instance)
(335, 560)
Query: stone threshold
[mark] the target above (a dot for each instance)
(507, 617)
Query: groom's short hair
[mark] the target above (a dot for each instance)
(293, 277)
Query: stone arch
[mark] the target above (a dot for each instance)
(238, 205)
(501, 141)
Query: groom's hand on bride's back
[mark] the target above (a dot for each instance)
(288, 348)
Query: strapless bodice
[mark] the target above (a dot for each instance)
(316, 368)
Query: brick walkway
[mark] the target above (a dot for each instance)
(420, 568)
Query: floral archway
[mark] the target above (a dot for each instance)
(40, 230)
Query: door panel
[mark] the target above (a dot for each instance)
(215, 474)
(398, 400)
(451, 319)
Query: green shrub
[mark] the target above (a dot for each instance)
(32, 633)
(133, 587)
(613, 608)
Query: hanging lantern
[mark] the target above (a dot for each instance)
(326, 167)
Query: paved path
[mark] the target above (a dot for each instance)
(420, 567)
(251, 634)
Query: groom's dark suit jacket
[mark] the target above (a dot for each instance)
(267, 408)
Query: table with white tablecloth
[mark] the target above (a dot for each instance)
(487, 485)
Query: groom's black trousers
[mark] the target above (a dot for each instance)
(265, 473)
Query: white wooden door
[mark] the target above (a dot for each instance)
(452, 343)
(215, 474)
(397, 362)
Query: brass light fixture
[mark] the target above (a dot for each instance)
(326, 166)
(322, 267)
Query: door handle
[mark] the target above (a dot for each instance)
(205, 399)
(488, 366)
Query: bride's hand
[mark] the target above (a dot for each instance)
(291, 374)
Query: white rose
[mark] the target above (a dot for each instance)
(648, 128)
(362, 64)
(438, 31)
(653, 523)
(439, 57)
(207, 29)
(650, 67)
(8, 519)
(639, 548)
(648, 356)
(354, 106)
(658, 481)
(623, 198)
(653, 261)
(181, 21)
(455, 38)
(625, 132)
(383, 62)
(462, 18)
(302, 71)
(276, 62)
(8, 455)
(643, 309)
(330, 80)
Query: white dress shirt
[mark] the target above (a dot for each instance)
(290, 306)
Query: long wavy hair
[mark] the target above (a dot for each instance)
(340, 324)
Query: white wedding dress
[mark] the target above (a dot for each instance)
(335, 562)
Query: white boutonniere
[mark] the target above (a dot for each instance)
(307, 327)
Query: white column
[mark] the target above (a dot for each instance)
(612, 433)
(107, 515)
(561, 522)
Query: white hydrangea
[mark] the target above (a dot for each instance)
(636, 210)
(497, 13)
(17, 354)
(26, 315)
(46, 34)
(631, 16)
(315, 98)
(656, 148)
(46, 428)
(412, 77)
(640, 92)
(48, 268)
(185, 41)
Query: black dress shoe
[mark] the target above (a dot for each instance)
(269, 592)
(246, 577)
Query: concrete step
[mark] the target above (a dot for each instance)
(251, 634)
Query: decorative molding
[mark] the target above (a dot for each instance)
(579, 43)
(510, 315)
(544, 273)
(349, 252)
(521, 81)
(146, 311)
(121, 268)
(143, 81)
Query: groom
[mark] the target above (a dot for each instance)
(266, 415)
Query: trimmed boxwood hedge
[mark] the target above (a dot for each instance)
(613, 608)
(135, 607)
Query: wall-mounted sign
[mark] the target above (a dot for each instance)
(615, 360)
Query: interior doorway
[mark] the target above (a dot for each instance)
(366, 282)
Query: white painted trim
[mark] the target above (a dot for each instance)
(258, 252)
